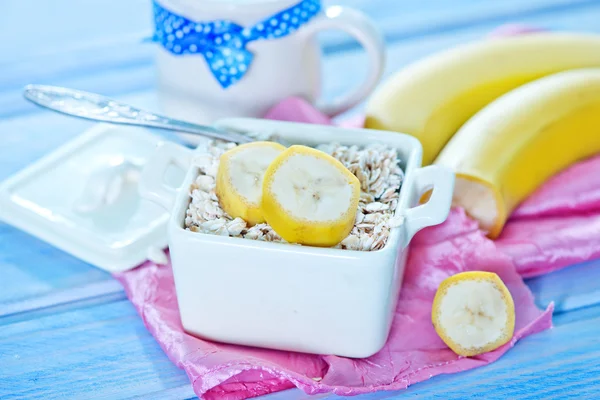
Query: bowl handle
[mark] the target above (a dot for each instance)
(436, 209)
(152, 186)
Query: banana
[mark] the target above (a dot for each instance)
(473, 312)
(240, 176)
(514, 144)
(432, 98)
(309, 197)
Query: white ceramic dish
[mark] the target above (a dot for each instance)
(298, 298)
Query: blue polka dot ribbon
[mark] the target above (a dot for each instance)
(223, 43)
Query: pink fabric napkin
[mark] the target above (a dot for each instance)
(559, 225)
(412, 354)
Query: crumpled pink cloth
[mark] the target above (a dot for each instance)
(413, 351)
(557, 226)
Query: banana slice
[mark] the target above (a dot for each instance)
(240, 176)
(310, 197)
(473, 312)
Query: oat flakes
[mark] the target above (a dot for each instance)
(376, 166)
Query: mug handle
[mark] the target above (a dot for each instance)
(359, 26)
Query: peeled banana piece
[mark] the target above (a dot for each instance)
(433, 97)
(309, 197)
(473, 312)
(240, 177)
(514, 144)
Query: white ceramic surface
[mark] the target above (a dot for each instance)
(83, 198)
(299, 298)
(282, 67)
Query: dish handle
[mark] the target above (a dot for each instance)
(152, 179)
(435, 211)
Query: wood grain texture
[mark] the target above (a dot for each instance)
(555, 364)
(581, 291)
(94, 352)
(105, 352)
(66, 330)
(36, 275)
(414, 20)
(69, 27)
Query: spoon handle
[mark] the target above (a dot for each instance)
(99, 108)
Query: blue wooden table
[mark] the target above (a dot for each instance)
(67, 329)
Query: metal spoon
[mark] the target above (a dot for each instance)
(99, 108)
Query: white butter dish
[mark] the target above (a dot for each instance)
(83, 198)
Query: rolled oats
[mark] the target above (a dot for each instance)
(376, 167)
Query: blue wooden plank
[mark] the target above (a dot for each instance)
(582, 291)
(579, 314)
(558, 363)
(413, 20)
(69, 26)
(105, 352)
(34, 274)
(94, 352)
(63, 27)
(125, 72)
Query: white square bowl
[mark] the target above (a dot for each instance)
(297, 298)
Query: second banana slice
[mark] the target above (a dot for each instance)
(310, 197)
(240, 177)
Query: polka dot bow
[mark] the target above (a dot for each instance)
(223, 43)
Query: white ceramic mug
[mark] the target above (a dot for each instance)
(284, 66)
